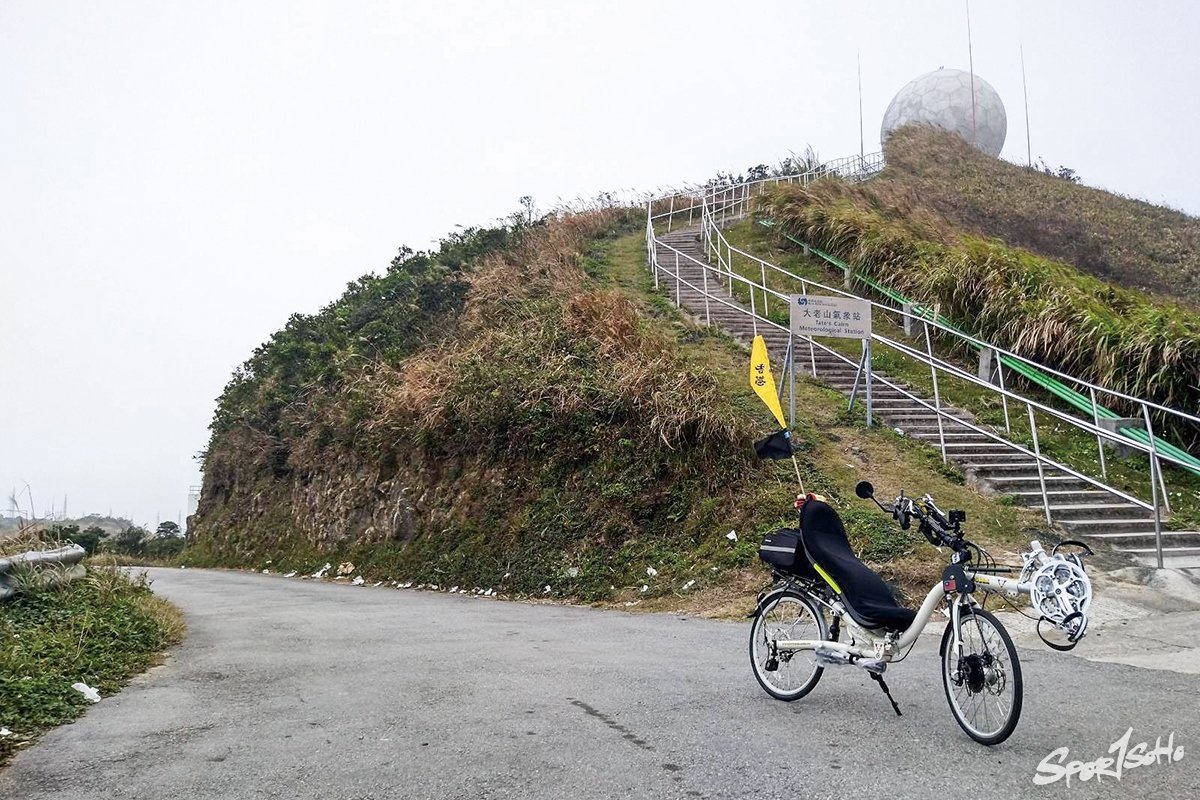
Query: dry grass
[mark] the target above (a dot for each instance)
(1128, 242)
(1044, 310)
(32, 537)
(535, 324)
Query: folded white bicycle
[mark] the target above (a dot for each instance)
(827, 608)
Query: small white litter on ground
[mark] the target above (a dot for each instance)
(689, 585)
(651, 571)
(546, 590)
(5, 732)
(266, 572)
(88, 692)
(321, 572)
(645, 588)
(453, 589)
(291, 574)
(358, 581)
(573, 572)
(731, 536)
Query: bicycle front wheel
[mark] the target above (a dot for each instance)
(983, 678)
(786, 614)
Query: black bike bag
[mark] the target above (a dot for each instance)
(783, 552)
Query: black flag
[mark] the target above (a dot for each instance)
(777, 445)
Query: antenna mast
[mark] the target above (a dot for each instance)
(1025, 89)
(862, 150)
(971, 63)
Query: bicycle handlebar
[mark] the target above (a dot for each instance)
(938, 528)
(934, 525)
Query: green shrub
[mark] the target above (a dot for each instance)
(100, 630)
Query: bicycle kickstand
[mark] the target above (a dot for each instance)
(883, 685)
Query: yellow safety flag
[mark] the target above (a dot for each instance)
(761, 380)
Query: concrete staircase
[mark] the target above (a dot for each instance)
(1081, 509)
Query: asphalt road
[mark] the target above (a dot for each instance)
(295, 689)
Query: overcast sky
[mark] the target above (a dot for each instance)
(177, 178)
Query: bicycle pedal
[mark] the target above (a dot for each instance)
(771, 665)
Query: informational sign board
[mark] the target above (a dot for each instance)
(841, 317)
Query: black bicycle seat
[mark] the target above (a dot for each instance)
(867, 597)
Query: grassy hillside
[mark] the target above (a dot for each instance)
(526, 429)
(547, 423)
(1043, 309)
(1125, 241)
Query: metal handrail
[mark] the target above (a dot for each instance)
(719, 204)
(924, 319)
(867, 165)
(680, 281)
(969, 339)
(1035, 364)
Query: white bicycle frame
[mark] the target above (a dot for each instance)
(886, 645)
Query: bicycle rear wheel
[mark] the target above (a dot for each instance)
(983, 681)
(786, 614)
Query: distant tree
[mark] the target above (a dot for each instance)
(163, 546)
(528, 209)
(131, 541)
(168, 529)
(63, 532)
(90, 538)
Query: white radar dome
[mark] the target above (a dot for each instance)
(943, 98)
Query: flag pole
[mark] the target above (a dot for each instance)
(799, 480)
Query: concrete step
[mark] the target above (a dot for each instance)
(1034, 496)
(900, 402)
(1028, 468)
(990, 458)
(950, 427)
(979, 445)
(877, 392)
(1183, 550)
(1061, 479)
(1112, 524)
(921, 414)
(1095, 510)
(1007, 484)
(1123, 539)
(963, 439)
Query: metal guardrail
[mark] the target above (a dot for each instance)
(717, 205)
(1046, 377)
(68, 556)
